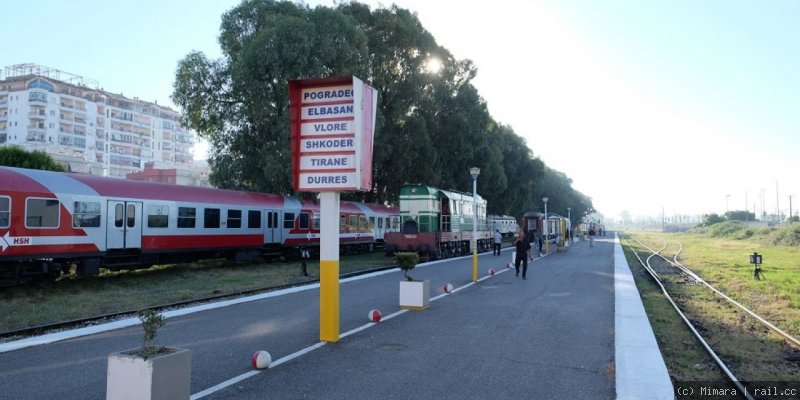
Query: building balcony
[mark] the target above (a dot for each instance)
(36, 135)
(3, 136)
(37, 114)
(3, 103)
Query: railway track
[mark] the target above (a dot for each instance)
(729, 324)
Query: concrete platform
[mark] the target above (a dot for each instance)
(571, 330)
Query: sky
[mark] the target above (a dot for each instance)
(676, 106)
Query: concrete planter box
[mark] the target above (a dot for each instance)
(415, 295)
(164, 376)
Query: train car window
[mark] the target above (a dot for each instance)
(85, 214)
(254, 219)
(342, 223)
(288, 220)
(42, 213)
(315, 225)
(303, 217)
(157, 216)
(271, 220)
(5, 212)
(362, 223)
(274, 220)
(353, 225)
(186, 217)
(131, 215)
(119, 211)
(371, 223)
(234, 218)
(211, 217)
(380, 223)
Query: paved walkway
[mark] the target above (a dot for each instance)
(557, 335)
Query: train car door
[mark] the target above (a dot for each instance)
(273, 232)
(124, 225)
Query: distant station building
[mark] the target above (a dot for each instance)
(88, 129)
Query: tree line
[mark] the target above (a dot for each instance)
(432, 124)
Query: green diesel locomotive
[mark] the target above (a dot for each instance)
(439, 223)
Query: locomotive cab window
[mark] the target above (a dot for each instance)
(303, 219)
(234, 218)
(85, 214)
(186, 217)
(157, 216)
(41, 213)
(353, 224)
(5, 212)
(254, 219)
(211, 218)
(316, 221)
(362, 223)
(288, 220)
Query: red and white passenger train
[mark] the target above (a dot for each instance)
(50, 221)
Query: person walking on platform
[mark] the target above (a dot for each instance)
(591, 237)
(523, 252)
(498, 240)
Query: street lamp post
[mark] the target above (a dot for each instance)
(569, 218)
(546, 222)
(474, 172)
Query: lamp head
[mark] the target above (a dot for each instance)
(474, 172)
(544, 199)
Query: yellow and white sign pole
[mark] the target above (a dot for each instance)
(332, 127)
(474, 172)
(329, 267)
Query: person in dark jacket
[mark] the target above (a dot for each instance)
(523, 253)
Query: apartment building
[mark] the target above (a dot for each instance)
(87, 128)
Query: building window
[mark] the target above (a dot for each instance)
(157, 216)
(234, 218)
(186, 217)
(86, 214)
(41, 213)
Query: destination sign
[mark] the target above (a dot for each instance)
(327, 94)
(322, 145)
(327, 128)
(332, 126)
(328, 162)
(327, 111)
(327, 180)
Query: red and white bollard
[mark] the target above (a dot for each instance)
(374, 315)
(447, 288)
(261, 359)
(492, 271)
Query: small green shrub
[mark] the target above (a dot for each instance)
(728, 229)
(151, 321)
(406, 260)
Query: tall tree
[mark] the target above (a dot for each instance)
(15, 156)
(240, 103)
(432, 124)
